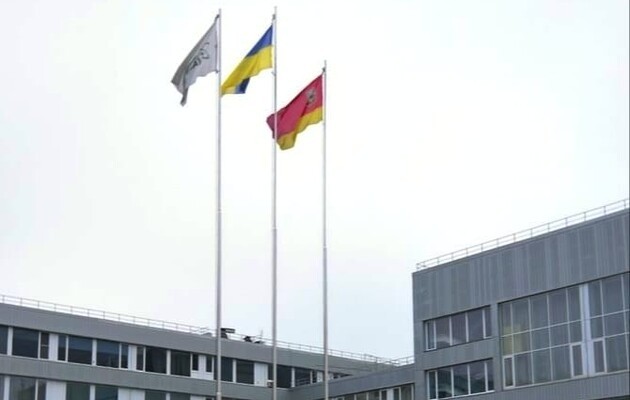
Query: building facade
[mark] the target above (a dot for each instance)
(541, 317)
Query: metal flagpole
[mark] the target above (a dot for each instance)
(274, 229)
(218, 216)
(324, 236)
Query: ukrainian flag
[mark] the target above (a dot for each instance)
(258, 58)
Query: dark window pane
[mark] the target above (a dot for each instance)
(540, 338)
(106, 393)
(21, 388)
(559, 334)
(542, 366)
(506, 319)
(77, 391)
(477, 377)
(25, 342)
(124, 356)
(41, 390)
(140, 358)
(3, 339)
(107, 353)
(181, 396)
(626, 289)
(614, 324)
(575, 331)
(430, 326)
(490, 375)
(245, 373)
(445, 388)
(432, 378)
(44, 339)
(443, 333)
(460, 380)
(154, 395)
(598, 348)
(226, 370)
(302, 376)
(558, 307)
(521, 342)
(488, 322)
(616, 353)
(61, 348)
(195, 362)
(506, 345)
(209, 361)
(560, 363)
(611, 290)
(539, 311)
(180, 363)
(574, 303)
(597, 327)
(577, 360)
(79, 350)
(155, 360)
(520, 315)
(509, 375)
(284, 376)
(475, 325)
(594, 298)
(523, 369)
(458, 327)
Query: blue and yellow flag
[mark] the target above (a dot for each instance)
(258, 58)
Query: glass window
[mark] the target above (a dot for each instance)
(574, 303)
(560, 362)
(105, 393)
(616, 359)
(445, 388)
(226, 370)
(43, 345)
(3, 339)
(154, 395)
(506, 319)
(432, 385)
(523, 369)
(140, 358)
(477, 377)
(475, 325)
(21, 388)
(540, 338)
(597, 327)
(558, 307)
(614, 324)
(612, 295)
(155, 360)
(443, 332)
(577, 360)
(594, 298)
(41, 389)
(124, 356)
(521, 342)
(1, 387)
(284, 376)
(542, 366)
(487, 322)
(626, 289)
(598, 350)
(520, 315)
(430, 332)
(506, 345)
(460, 380)
(180, 363)
(79, 350)
(209, 363)
(195, 362)
(77, 391)
(61, 348)
(509, 374)
(490, 375)
(25, 342)
(540, 316)
(559, 334)
(575, 332)
(181, 396)
(458, 328)
(302, 375)
(107, 353)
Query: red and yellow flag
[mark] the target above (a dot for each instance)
(304, 110)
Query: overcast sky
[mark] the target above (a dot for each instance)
(450, 123)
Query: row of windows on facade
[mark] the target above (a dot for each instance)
(34, 344)
(464, 327)
(397, 393)
(460, 380)
(24, 388)
(574, 332)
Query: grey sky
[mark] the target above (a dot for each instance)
(450, 123)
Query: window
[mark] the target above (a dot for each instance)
(302, 376)
(25, 342)
(22, 388)
(124, 355)
(245, 372)
(566, 333)
(284, 376)
(105, 393)
(209, 364)
(195, 362)
(226, 369)
(180, 396)
(4, 333)
(460, 380)
(155, 360)
(43, 344)
(140, 358)
(154, 395)
(77, 391)
(107, 353)
(62, 347)
(79, 350)
(458, 328)
(180, 363)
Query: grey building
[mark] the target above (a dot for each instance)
(542, 314)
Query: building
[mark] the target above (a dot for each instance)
(543, 314)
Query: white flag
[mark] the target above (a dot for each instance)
(201, 60)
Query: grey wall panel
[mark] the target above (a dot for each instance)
(462, 353)
(356, 384)
(134, 334)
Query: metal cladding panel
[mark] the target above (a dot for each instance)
(356, 384)
(54, 322)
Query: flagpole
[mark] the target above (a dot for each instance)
(324, 235)
(274, 229)
(218, 211)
